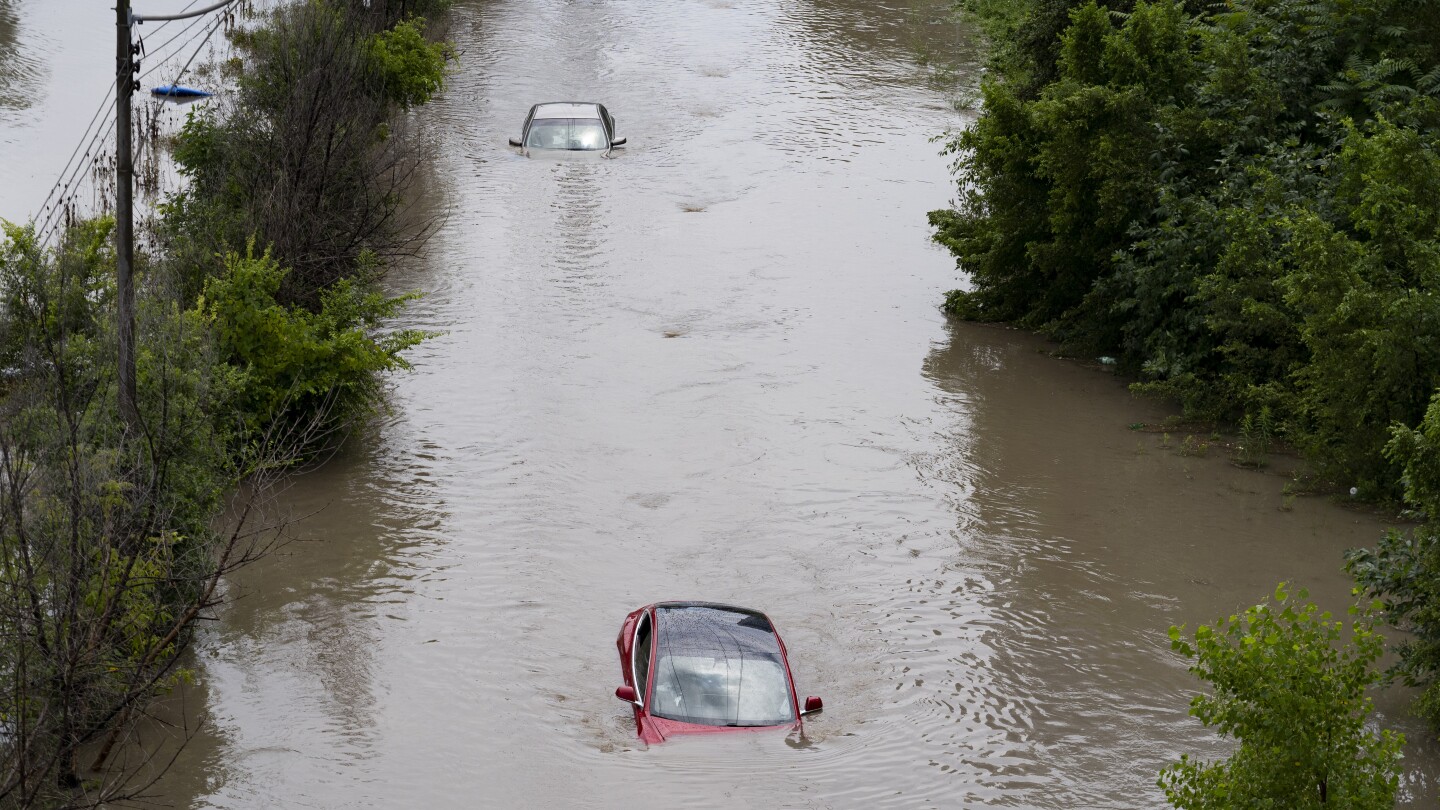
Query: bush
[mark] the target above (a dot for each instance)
(108, 539)
(412, 69)
(1292, 691)
(289, 360)
(114, 537)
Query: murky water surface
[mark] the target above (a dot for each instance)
(712, 368)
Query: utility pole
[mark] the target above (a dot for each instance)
(125, 70)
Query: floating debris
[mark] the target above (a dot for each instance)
(177, 91)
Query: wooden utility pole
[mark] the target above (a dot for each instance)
(125, 70)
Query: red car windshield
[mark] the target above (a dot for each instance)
(719, 667)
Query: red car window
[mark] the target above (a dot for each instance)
(640, 656)
(719, 667)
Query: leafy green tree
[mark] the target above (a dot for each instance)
(1054, 183)
(110, 544)
(1290, 687)
(411, 67)
(1403, 571)
(1364, 294)
(304, 158)
(1417, 452)
(114, 541)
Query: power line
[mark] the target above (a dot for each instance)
(208, 35)
(102, 107)
(68, 183)
(54, 217)
(98, 110)
(191, 60)
(160, 48)
(48, 217)
(218, 20)
(161, 26)
(182, 15)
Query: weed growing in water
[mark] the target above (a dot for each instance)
(1255, 435)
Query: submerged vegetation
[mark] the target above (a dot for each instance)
(306, 155)
(1289, 685)
(1240, 202)
(261, 338)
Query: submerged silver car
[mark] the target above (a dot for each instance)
(571, 126)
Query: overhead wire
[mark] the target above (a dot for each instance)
(104, 103)
(182, 15)
(49, 216)
(219, 20)
(82, 143)
(54, 216)
(180, 49)
(161, 26)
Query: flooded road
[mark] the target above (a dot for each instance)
(714, 368)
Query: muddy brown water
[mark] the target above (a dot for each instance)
(713, 368)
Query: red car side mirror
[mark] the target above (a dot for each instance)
(813, 704)
(627, 694)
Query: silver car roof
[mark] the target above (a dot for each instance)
(567, 110)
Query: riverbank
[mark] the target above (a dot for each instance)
(118, 533)
(1226, 222)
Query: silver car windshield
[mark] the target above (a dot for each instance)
(575, 134)
(719, 668)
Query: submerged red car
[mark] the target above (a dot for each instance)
(699, 667)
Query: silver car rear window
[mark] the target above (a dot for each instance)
(573, 134)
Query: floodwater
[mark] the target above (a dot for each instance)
(713, 368)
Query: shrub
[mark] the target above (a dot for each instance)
(290, 360)
(411, 68)
(1292, 691)
(305, 159)
(108, 540)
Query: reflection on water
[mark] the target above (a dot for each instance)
(712, 368)
(305, 637)
(20, 69)
(1080, 543)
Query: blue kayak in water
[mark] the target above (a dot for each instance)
(176, 91)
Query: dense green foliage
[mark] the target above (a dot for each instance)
(289, 360)
(1238, 201)
(1403, 570)
(306, 163)
(411, 68)
(1289, 686)
(1241, 202)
